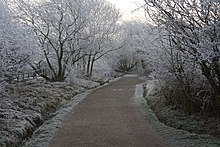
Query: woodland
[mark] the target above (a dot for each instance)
(85, 42)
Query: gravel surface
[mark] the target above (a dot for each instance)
(115, 115)
(108, 117)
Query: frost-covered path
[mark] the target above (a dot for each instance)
(108, 117)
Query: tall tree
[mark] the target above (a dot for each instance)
(68, 31)
(104, 32)
(192, 31)
(57, 25)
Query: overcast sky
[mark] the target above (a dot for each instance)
(127, 6)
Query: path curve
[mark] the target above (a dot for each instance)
(108, 117)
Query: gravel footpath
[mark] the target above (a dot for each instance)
(108, 117)
(113, 115)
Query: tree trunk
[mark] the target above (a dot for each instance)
(207, 72)
(88, 65)
(92, 65)
(84, 65)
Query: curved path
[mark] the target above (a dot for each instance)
(108, 117)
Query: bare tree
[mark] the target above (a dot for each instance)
(57, 25)
(104, 32)
(192, 28)
(69, 31)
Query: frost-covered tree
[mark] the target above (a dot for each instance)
(14, 45)
(191, 35)
(69, 31)
(103, 31)
(139, 40)
(57, 25)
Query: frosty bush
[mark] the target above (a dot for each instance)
(14, 45)
(75, 77)
(125, 64)
(139, 43)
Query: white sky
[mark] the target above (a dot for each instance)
(127, 6)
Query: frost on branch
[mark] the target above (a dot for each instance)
(14, 46)
(190, 40)
(71, 33)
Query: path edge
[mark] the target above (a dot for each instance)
(47, 130)
(172, 136)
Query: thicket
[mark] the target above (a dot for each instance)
(189, 62)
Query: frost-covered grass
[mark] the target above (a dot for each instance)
(90, 82)
(42, 135)
(100, 79)
(84, 83)
(174, 136)
(28, 104)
